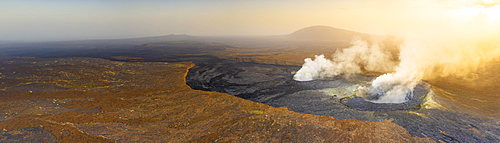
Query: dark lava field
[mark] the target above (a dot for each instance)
(274, 85)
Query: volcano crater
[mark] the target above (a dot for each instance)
(274, 85)
(335, 97)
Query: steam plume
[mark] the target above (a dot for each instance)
(350, 60)
(457, 46)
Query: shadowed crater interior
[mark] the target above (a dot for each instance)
(415, 101)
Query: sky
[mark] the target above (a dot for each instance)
(108, 19)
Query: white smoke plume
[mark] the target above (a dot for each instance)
(350, 60)
(455, 42)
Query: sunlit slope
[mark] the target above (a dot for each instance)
(476, 96)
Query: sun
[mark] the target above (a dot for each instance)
(489, 10)
(493, 13)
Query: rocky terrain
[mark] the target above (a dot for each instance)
(97, 100)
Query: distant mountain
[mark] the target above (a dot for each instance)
(100, 43)
(162, 38)
(177, 48)
(325, 33)
(127, 41)
(8, 42)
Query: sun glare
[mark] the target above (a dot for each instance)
(490, 11)
(493, 13)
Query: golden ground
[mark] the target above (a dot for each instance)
(96, 100)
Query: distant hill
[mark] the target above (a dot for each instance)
(162, 38)
(177, 48)
(99, 43)
(6, 41)
(325, 33)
